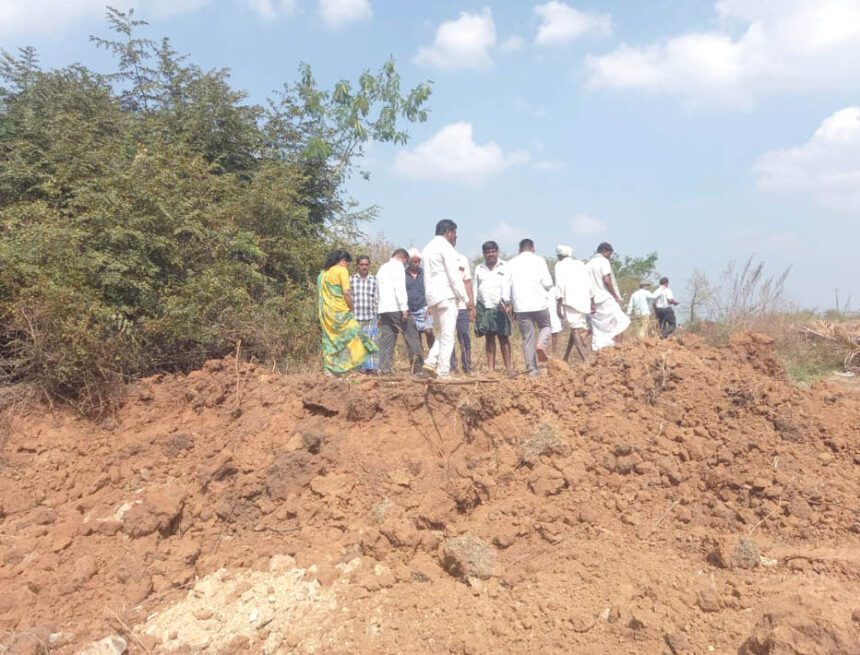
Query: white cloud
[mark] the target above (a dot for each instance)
(548, 165)
(585, 225)
(513, 43)
(337, 13)
(826, 168)
(761, 47)
(462, 43)
(452, 154)
(561, 23)
(270, 9)
(24, 17)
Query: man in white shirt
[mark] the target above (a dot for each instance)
(394, 312)
(491, 321)
(525, 291)
(639, 309)
(608, 320)
(664, 301)
(574, 303)
(444, 288)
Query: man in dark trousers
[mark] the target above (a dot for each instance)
(664, 302)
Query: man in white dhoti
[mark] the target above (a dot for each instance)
(608, 320)
(574, 302)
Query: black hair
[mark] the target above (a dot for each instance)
(664, 280)
(334, 257)
(605, 247)
(489, 245)
(445, 225)
(362, 258)
(401, 252)
(526, 243)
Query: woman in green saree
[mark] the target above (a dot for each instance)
(344, 345)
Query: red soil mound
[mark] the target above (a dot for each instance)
(666, 497)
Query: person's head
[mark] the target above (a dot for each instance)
(362, 265)
(336, 257)
(527, 245)
(448, 229)
(414, 259)
(605, 249)
(563, 251)
(664, 282)
(400, 255)
(491, 252)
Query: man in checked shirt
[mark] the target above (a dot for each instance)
(365, 301)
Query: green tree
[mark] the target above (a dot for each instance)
(151, 217)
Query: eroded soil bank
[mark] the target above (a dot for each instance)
(667, 498)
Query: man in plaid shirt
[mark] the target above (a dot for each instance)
(365, 301)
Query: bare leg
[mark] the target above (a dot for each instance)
(505, 347)
(570, 341)
(490, 348)
(576, 336)
(554, 347)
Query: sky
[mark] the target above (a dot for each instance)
(705, 130)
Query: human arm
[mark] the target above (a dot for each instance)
(345, 288)
(451, 262)
(670, 297)
(470, 305)
(630, 306)
(545, 277)
(610, 287)
(400, 291)
(505, 299)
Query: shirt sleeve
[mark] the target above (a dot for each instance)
(669, 295)
(506, 287)
(630, 306)
(400, 289)
(545, 278)
(451, 261)
(467, 269)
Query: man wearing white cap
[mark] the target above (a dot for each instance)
(417, 298)
(574, 302)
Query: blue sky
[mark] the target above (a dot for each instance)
(706, 130)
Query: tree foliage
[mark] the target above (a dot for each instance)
(152, 217)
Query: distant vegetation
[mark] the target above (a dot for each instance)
(151, 217)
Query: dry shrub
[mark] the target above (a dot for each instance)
(544, 441)
(748, 298)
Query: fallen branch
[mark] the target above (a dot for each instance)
(666, 513)
(765, 518)
(128, 631)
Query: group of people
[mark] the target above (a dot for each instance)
(433, 295)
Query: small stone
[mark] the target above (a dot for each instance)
(113, 645)
(734, 553)
(678, 643)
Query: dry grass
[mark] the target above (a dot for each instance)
(544, 441)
